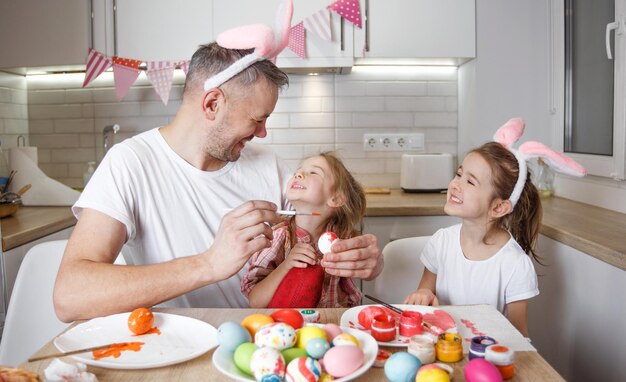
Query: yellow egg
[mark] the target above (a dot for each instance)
(345, 339)
(432, 373)
(325, 378)
(306, 333)
(253, 322)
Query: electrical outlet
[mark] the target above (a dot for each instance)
(393, 142)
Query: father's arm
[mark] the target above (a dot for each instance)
(358, 257)
(90, 285)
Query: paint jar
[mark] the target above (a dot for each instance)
(411, 323)
(478, 345)
(423, 347)
(449, 347)
(384, 328)
(503, 357)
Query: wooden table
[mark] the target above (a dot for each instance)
(529, 365)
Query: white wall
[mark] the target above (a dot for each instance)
(577, 321)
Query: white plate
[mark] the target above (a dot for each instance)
(350, 319)
(223, 359)
(181, 339)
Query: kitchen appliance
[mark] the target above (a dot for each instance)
(426, 172)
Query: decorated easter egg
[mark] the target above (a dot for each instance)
(402, 367)
(325, 241)
(303, 369)
(267, 364)
(288, 316)
(293, 353)
(345, 339)
(306, 333)
(231, 334)
(325, 377)
(253, 322)
(481, 370)
(277, 335)
(367, 314)
(432, 373)
(340, 361)
(243, 355)
(317, 347)
(332, 331)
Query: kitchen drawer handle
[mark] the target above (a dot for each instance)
(609, 27)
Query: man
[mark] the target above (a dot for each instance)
(165, 193)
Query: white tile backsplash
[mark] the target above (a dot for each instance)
(316, 113)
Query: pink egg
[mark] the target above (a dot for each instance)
(479, 370)
(340, 361)
(332, 331)
(326, 241)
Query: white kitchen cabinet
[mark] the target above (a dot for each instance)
(426, 29)
(155, 30)
(389, 228)
(320, 53)
(44, 33)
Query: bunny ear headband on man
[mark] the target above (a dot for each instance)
(261, 37)
(510, 132)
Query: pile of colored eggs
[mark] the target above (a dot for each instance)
(285, 349)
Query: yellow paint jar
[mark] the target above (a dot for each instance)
(449, 347)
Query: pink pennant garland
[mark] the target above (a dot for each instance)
(125, 72)
(96, 64)
(348, 9)
(296, 40)
(319, 23)
(160, 74)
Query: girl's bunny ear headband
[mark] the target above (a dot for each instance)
(261, 37)
(510, 132)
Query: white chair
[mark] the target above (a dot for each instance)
(31, 321)
(403, 269)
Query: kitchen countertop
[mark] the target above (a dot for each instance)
(32, 223)
(593, 230)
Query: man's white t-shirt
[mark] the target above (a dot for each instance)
(172, 209)
(505, 277)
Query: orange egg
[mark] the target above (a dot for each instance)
(140, 320)
(253, 322)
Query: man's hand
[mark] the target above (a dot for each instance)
(242, 233)
(357, 257)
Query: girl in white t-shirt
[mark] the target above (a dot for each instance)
(485, 259)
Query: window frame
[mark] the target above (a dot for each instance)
(600, 165)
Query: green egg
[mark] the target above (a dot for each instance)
(243, 355)
(293, 353)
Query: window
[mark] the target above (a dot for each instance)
(588, 88)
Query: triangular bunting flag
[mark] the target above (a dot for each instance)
(296, 40)
(184, 65)
(348, 9)
(160, 74)
(319, 23)
(96, 64)
(125, 72)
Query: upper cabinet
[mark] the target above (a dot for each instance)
(429, 29)
(320, 53)
(155, 30)
(44, 33)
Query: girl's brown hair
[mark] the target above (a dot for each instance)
(524, 221)
(347, 222)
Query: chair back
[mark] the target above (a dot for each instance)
(31, 321)
(403, 269)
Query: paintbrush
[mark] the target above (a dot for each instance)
(66, 353)
(287, 212)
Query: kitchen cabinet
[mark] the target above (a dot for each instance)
(44, 33)
(425, 29)
(155, 30)
(320, 53)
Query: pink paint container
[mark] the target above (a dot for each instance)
(411, 323)
(384, 328)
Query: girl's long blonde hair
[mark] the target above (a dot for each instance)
(348, 221)
(525, 220)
